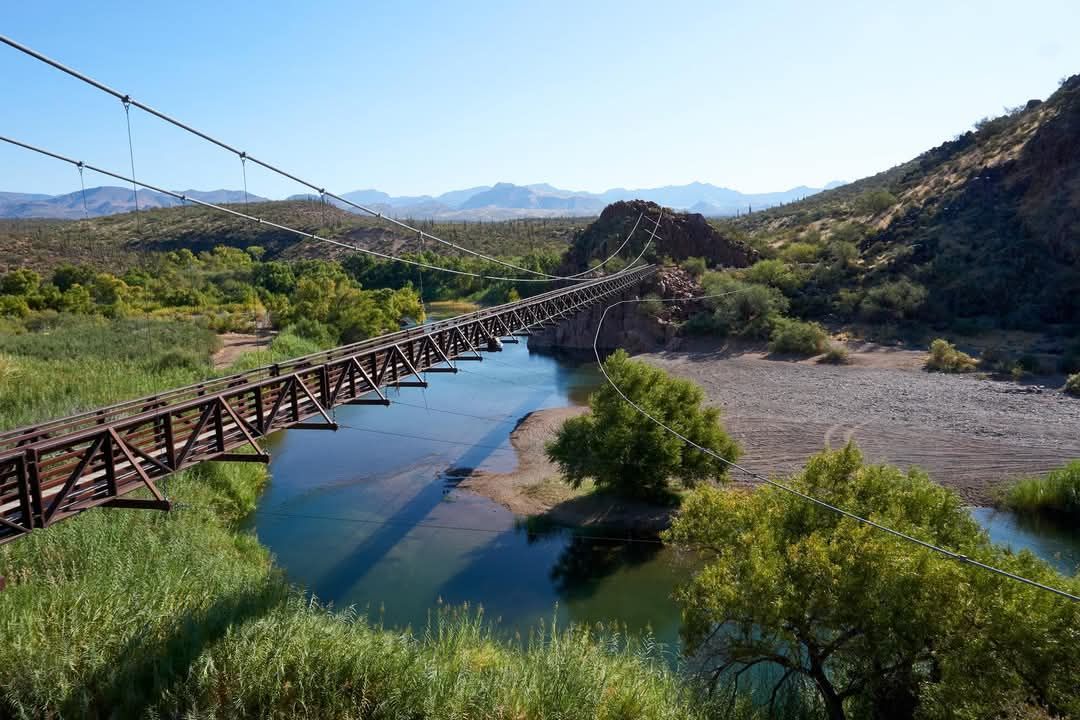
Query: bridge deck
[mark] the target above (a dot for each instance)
(54, 470)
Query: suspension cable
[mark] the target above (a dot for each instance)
(131, 155)
(127, 99)
(952, 555)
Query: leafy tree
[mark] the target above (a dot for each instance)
(67, 275)
(626, 452)
(775, 273)
(879, 628)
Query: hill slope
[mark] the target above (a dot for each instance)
(988, 223)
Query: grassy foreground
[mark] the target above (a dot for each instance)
(142, 614)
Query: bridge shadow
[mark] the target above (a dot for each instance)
(336, 582)
(150, 666)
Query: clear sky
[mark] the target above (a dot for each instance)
(412, 97)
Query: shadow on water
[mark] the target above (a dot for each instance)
(368, 553)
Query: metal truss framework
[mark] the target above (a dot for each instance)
(55, 470)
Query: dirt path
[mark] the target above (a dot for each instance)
(233, 345)
(534, 487)
(969, 434)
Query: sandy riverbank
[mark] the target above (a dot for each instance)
(534, 489)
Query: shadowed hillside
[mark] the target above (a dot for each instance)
(985, 227)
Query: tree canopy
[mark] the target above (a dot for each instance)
(625, 452)
(878, 627)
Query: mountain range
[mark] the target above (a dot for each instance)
(105, 200)
(486, 202)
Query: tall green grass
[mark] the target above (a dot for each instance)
(68, 363)
(144, 614)
(1056, 494)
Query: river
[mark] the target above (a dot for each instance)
(369, 516)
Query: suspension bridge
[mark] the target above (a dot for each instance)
(56, 470)
(53, 471)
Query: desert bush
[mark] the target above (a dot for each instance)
(794, 337)
(944, 357)
(694, 266)
(744, 309)
(873, 202)
(774, 273)
(836, 355)
(898, 300)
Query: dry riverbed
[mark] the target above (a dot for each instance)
(970, 434)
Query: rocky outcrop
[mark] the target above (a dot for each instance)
(680, 235)
(630, 326)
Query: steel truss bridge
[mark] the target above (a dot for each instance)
(55, 470)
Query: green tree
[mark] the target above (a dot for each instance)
(76, 299)
(879, 628)
(20, 282)
(625, 452)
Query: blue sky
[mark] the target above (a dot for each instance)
(413, 97)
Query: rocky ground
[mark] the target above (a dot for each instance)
(970, 434)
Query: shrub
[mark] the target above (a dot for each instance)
(873, 202)
(1072, 385)
(893, 301)
(775, 273)
(694, 266)
(651, 305)
(944, 357)
(746, 309)
(836, 355)
(794, 337)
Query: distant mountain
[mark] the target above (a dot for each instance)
(506, 195)
(507, 200)
(105, 200)
(485, 202)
